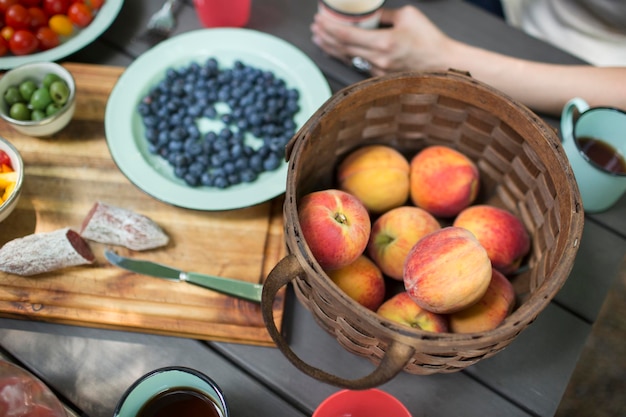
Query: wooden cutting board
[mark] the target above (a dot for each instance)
(67, 173)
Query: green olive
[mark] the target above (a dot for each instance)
(27, 88)
(52, 108)
(12, 96)
(40, 99)
(49, 78)
(38, 115)
(19, 111)
(60, 92)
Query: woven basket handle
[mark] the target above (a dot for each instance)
(396, 356)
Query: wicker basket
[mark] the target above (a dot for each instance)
(523, 168)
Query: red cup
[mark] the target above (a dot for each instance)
(223, 13)
(361, 403)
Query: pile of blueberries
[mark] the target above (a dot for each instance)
(257, 103)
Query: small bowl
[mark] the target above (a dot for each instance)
(36, 71)
(159, 387)
(361, 403)
(7, 206)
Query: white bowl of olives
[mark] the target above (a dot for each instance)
(38, 99)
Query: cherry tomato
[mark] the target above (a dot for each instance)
(4, 159)
(93, 4)
(30, 3)
(23, 42)
(80, 14)
(4, 4)
(61, 24)
(47, 38)
(37, 17)
(4, 48)
(7, 32)
(52, 7)
(17, 17)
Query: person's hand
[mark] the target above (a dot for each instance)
(407, 41)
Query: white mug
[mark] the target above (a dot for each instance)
(598, 167)
(362, 13)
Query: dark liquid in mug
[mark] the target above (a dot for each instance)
(603, 155)
(179, 402)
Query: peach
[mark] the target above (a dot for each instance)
(489, 311)
(393, 235)
(443, 181)
(402, 309)
(378, 175)
(335, 225)
(500, 232)
(362, 281)
(447, 270)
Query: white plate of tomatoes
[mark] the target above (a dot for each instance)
(48, 30)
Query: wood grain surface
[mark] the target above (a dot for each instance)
(67, 173)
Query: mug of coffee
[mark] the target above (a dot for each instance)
(172, 392)
(595, 144)
(362, 13)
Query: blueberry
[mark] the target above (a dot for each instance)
(220, 144)
(150, 120)
(191, 179)
(248, 175)
(175, 145)
(180, 172)
(194, 149)
(220, 182)
(209, 112)
(271, 162)
(197, 169)
(210, 136)
(241, 163)
(256, 162)
(180, 160)
(229, 167)
(233, 178)
(236, 150)
(152, 135)
(194, 111)
(207, 179)
(225, 133)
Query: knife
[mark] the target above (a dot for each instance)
(229, 286)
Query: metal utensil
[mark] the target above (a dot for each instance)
(229, 286)
(161, 23)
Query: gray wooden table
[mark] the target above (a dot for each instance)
(90, 368)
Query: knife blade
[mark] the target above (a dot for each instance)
(229, 286)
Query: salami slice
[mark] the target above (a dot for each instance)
(122, 227)
(44, 252)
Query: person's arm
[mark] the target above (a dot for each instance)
(414, 43)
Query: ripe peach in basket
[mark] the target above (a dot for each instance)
(362, 281)
(393, 235)
(335, 225)
(500, 232)
(378, 175)
(447, 270)
(489, 311)
(443, 181)
(401, 308)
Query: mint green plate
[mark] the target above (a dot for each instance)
(152, 174)
(106, 15)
